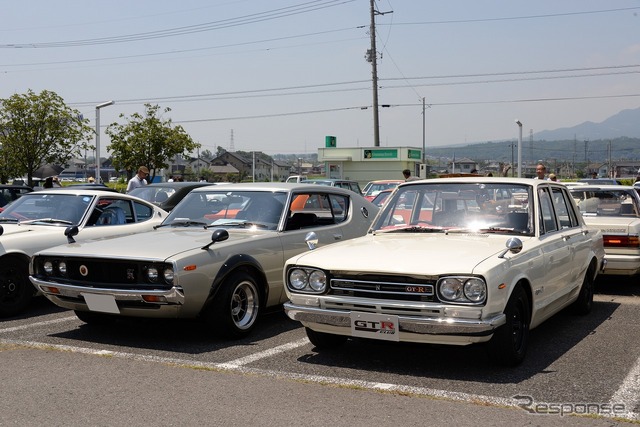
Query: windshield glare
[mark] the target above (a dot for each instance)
(65, 207)
(230, 208)
(495, 207)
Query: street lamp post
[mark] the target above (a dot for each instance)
(519, 148)
(98, 107)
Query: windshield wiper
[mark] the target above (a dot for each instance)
(47, 220)
(8, 220)
(180, 222)
(412, 229)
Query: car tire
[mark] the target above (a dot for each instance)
(94, 319)
(584, 303)
(509, 343)
(235, 308)
(16, 292)
(322, 340)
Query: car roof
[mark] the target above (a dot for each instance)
(274, 186)
(180, 184)
(613, 187)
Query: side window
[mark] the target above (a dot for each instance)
(316, 209)
(547, 216)
(564, 209)
(143, 212)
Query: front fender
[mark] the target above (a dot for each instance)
(234, 262)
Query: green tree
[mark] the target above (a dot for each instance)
(147, 140)
(36, 129)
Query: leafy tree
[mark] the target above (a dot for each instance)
(147, 140)
(207, 155)
(36, 129)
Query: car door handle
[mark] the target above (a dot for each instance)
(337, 236)
(565, 238)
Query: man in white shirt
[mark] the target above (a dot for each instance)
(541, 171)
(139, 180)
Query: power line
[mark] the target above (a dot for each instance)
(310, 6)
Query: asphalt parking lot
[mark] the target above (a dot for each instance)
(172, 372)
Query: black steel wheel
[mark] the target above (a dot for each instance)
(509, 343)
(584, 303)
(16, 291)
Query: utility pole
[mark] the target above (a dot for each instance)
(372, 56)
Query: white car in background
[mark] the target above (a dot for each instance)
(39, 220)
(614, 210)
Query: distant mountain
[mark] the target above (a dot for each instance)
(624, 124)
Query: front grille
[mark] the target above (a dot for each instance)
(102, 273)
(394, 288)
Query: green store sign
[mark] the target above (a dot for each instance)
(414, 154)
(381, 154)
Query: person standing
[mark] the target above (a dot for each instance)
(139, 180)
(541, 171)
(407, 175)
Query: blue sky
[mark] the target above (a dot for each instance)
(281, 75)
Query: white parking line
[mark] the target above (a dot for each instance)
(264, 354)
(37, 324)
(628, 393)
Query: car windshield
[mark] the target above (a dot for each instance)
(475, 207)
(260, 209)
(375, 188)
(47, 209)
(602, 202)
(153, 194)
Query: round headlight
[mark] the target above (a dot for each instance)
(168, 275)
(298, 279)
(451, 288)
(475, 290)
(318, 280)
(47, 267)
(62, 267)
(152, 274)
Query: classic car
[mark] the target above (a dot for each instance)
(166, 194)
(218, 256)
(614, 210)
(39, 219)
(342, 183)
(10, 192)
(451, 261)
(372, 188)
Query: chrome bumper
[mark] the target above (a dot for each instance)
(171, 296)
(416, 325)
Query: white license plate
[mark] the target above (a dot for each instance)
(376, 326)
(102, 303)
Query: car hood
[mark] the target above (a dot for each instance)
(12, 229)
(426, 254)
(613, 224)
(161, 243)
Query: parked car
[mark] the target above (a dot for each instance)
(218, 256)
(381, 197)
(614, 210)
(166, 194)
(446, 262)
(372, 188)
(39, 219)
(9, 193)
(342, 183)
(601, 181)
(296, 178)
